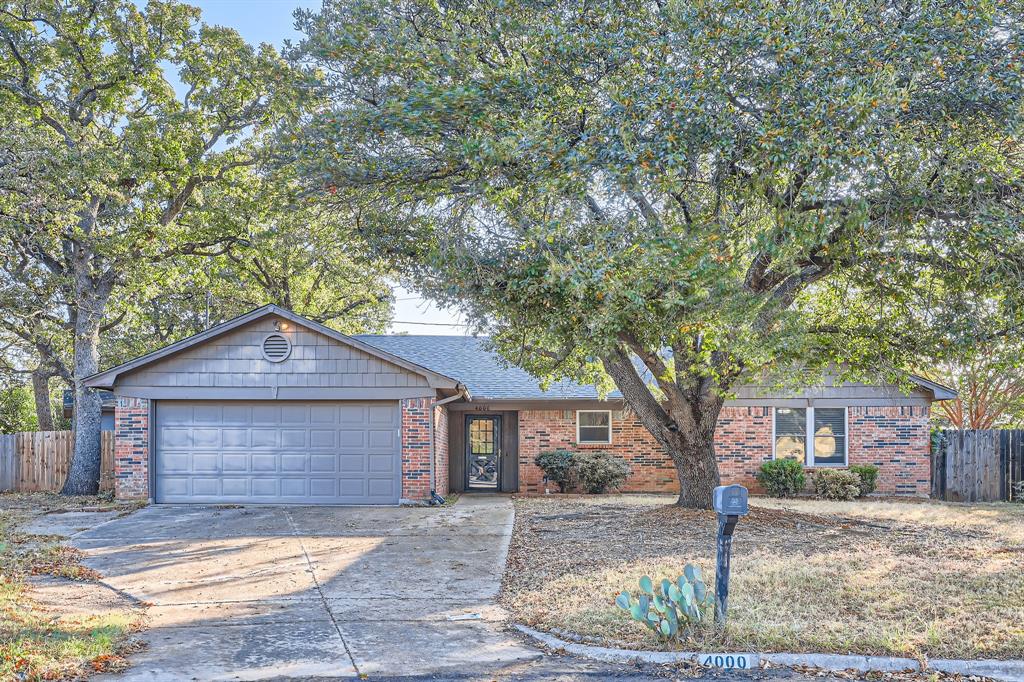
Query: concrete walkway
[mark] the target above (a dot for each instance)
(259, 592)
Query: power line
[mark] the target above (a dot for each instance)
(432, 324)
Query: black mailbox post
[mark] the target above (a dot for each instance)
(730, 502)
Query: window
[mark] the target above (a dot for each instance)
(829, 435)
(791, 433)
(594, 426)
(814, 435)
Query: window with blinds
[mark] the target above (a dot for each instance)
(791, 433)
(829, 435)
(814, 435)
(594, 426)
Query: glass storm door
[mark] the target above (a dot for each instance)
(483, 447)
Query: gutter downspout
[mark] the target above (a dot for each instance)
(436, 499)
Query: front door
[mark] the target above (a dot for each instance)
(483, 452)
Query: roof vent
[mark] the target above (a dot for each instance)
(276, 347)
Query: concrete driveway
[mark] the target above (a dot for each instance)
(258, 592)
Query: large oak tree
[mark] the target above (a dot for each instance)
(684, 195)
(101, 157)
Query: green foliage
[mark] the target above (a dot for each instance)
(837, 484)
(17, 409)
(558, 467)
(595, 471)
(756, 187)
(868, 474)
(782, 477)
(598, 471)
(671, 609)
(104, 160)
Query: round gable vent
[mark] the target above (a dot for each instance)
(276, 347)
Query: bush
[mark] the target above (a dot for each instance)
(599, 471)
(837, 484)
(868, 474)
(557, 466)
(782, 477)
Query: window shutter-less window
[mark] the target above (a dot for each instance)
(595, 427)
(791, 433)
(829, 435)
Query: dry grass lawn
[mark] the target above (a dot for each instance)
(872, 577)
(39, 641)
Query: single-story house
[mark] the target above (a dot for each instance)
(107, 405)
(273, 408)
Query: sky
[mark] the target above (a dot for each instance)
(270, 21)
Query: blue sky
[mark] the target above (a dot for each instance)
(270, 21)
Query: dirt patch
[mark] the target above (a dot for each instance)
(872, 578)
(56, 620)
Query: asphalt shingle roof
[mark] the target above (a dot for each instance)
(466, 359)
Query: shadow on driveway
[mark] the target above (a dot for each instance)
(264, 592)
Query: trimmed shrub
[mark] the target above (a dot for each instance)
(868, 477)
(782, 477)
(837, 484)
(557, 465)
(599, 471)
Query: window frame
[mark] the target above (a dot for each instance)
(579, 441)
(809, 460)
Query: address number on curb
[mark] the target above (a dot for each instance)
(729, 661)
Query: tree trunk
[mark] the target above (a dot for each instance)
(84, 473)
(683, 424)
(696, 468)
(41, 393)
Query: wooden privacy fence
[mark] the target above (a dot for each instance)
(38, 461)
(978, 466)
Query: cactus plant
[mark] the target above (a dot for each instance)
(672, 609)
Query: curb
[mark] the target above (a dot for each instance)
(1005, 671)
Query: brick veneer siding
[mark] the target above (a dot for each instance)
(416, 449)
(441, 449)
(131, 448)
(893, 438)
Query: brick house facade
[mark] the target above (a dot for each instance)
(895, 439)
(333, 419)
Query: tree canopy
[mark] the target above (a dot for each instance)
(104, 166)
(717, 189)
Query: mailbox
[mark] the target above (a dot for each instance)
(731, 500)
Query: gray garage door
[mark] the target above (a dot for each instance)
(278, 452)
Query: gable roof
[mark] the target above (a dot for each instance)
(487, 377)
(107, 378)
(480, 369)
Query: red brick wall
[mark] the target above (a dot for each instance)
(441, 449)
(416, 449)
(893, 438)
(131, 448)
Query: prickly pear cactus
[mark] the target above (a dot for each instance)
(671, 609)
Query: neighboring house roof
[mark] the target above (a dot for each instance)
(487, 377)
(107, 378)
(107, 401)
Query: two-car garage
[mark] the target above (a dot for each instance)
(273, 408)
(277, 452)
